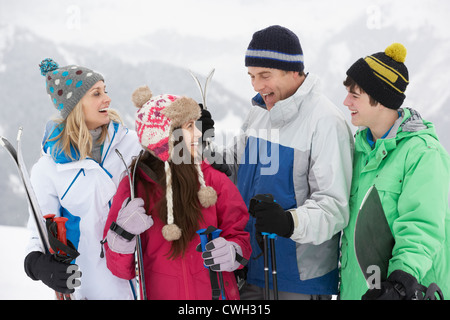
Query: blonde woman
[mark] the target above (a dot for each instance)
(77, 177)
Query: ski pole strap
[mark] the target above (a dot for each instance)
(64, 251)
(214, 285)
(121, 231)
(430, 292)
(241, 259)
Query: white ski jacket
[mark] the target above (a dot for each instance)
(82, 191)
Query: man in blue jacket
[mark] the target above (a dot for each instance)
(295, 145)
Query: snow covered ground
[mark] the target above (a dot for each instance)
(14, 283)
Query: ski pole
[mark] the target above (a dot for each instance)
(266, 267)
(61, 231)
(61, 236)
(272, 237)
(138, 256)
(268, 198)
(207, 235)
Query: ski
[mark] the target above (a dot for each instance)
(203, 91)
(38, 218)
(34, 207)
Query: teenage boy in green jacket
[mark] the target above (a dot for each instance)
(398, 152)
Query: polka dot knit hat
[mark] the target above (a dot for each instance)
(67, 85)
(157, 118)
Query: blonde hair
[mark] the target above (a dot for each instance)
(75, 133)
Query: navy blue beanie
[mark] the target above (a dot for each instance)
(275, 47)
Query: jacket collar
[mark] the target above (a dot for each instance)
(408, 124)
(53, 129)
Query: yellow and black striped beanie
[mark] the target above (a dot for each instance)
(383, 75)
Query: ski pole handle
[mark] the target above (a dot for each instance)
(60, 231)
(207, 235)
(61, 227)
(269, 235)
(268, 198)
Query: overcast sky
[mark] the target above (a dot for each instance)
(104, 22)
(78, 20)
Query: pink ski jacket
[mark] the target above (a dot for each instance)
(182, 278)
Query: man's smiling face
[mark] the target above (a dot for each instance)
(272, 84)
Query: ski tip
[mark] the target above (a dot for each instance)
(118, 153)
(19, 133)
(211, 73)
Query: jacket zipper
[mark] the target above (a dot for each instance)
(70, 186)
(185, 280)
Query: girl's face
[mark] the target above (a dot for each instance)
(191, 136)
(95, 106)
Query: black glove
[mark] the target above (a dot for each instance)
(270, 216)
(399, 286)
(207, 128)
(222, 167)
(207, 122)
(44, 267)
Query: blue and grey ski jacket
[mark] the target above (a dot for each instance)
(301, 152)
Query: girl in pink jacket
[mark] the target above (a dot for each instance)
(176, 195)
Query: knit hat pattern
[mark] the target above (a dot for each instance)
(67, 85)
(383, 75)
(275, 47)
(156, 119)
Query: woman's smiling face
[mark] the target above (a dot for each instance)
(95, 106)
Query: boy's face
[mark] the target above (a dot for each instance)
(362, 112)
(272, 84)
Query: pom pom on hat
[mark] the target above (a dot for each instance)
(48, 65)
(141, 95)
(397, 52)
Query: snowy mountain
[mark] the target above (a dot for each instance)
(156, 42)
(161, 57)
(25, 103)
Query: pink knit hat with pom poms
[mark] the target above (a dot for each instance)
(156, 120)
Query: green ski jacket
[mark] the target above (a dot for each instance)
(411, 171)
